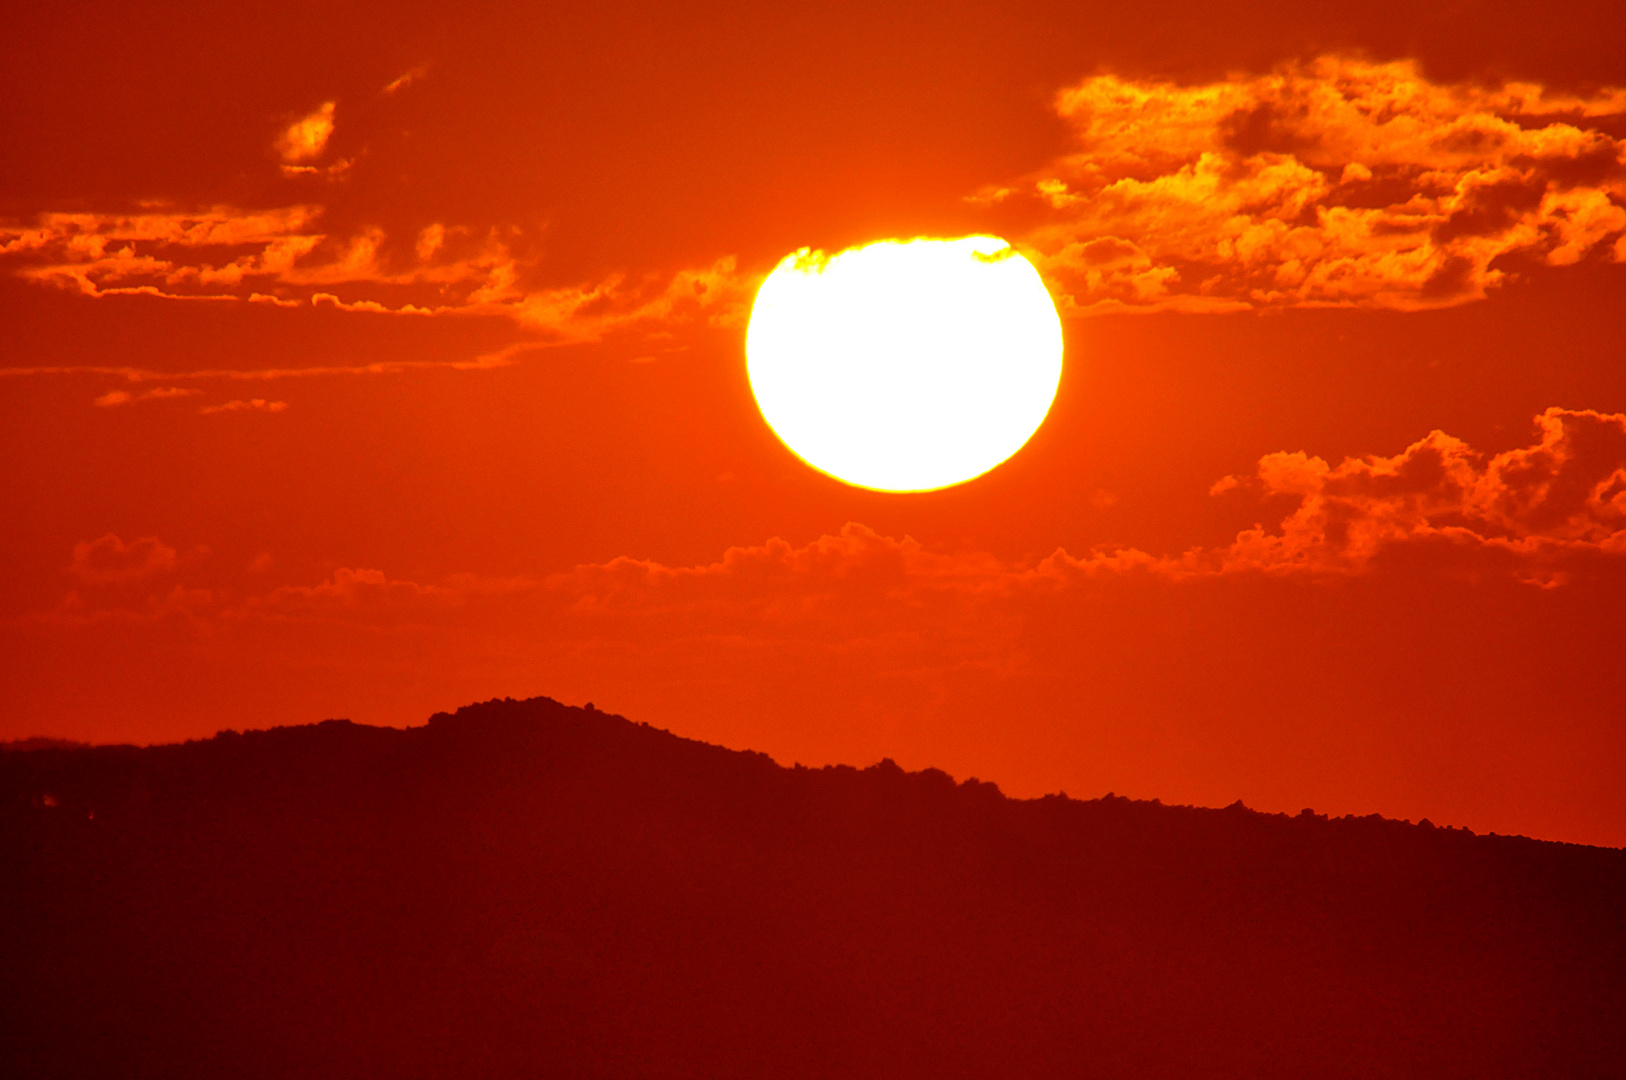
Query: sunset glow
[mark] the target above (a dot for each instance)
(767, 539)
(905, 366)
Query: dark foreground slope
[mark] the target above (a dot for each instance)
(525, 889)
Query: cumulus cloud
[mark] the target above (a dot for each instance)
(1537, 511)
(1337, 182)
(250, 405)
(111, 561)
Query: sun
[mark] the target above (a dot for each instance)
(905, 365)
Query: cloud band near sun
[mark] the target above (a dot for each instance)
(1549, 514)
(1336, 182)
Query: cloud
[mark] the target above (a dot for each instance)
(858, 566)
(402, 82)
(1538, 511)
(503, 357)
(161, 252)
(1337, 182)
(124, 397)
(351, 592)
(306, 138)
(714, 295)
(282, 257)
(1550, 514)
(252, 405)
(225, 252)
(857, 578)
(885, 631)
(112, 561)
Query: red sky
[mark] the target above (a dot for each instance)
(367, 362)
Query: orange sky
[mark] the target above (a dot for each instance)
(370, 362)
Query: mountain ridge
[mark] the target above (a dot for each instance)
(475, 711)
(524, 884)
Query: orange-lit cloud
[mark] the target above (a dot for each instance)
(1533, 510)
(250, 405)
(500, 358)
(225, 252)
(115, 398)
(848, 577)
(350, 592)
(403, 81)
(306, 138)
(1546, 514)
(1538, 513)
(281, 257)
(1338, 182)
(111, 561)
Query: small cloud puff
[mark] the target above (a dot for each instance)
(401, 83)
(112, 561)
(306, 138)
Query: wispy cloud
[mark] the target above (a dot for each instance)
(124, 397)
(499, 358)
(281, 257)
(405, 80)
(251, 405)
(1338, 182)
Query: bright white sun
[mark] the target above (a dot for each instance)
(905, 366)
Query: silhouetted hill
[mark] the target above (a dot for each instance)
(40, 742)
(526, 889)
